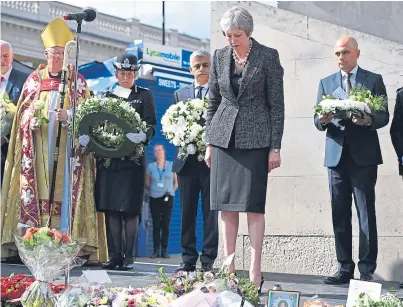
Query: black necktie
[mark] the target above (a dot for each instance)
(348, 85)
(199, 93)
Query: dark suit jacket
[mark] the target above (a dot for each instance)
(14, 85)
(181, 94)
(257, 114)
(363, 140)
(396, 129)
(13, 88)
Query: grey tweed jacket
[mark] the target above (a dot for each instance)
(257, 114)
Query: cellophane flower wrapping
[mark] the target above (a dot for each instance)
(203, 296)
(47, 253)
(82, 292)
(231, 299)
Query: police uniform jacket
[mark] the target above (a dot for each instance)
(120, 185)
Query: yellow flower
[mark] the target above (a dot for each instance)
(12, 108)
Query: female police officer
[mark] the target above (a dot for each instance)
(119, 186)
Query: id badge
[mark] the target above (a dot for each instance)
(160, 184)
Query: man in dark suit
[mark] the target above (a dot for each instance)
(352, 156)
(194, 178)
(396, 129)
(11, 83)
(396, 133)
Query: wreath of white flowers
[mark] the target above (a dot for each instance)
(106, 133)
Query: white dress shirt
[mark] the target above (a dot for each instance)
(3, 84)
(344, 76)
(205, 90)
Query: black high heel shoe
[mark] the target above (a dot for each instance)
(259, 290)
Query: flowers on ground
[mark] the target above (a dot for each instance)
(13, 286)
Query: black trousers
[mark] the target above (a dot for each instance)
(348, 180)
(123, 228)
(161, 212)
(109, 240)
(193, 179)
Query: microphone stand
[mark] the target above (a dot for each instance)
(72, 147)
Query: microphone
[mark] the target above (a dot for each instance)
(88, 15)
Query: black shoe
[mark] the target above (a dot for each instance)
(164, 254)
(113, 264)
(367, 277)
(207, 267)
(339, 278)
(126, 267)
(259, 290)
(186, 267)
(401, 285)
(156, 254)
(13, 260)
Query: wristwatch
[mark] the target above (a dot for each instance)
(275, 150)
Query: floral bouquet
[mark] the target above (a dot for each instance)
(196, 288)
(183, 124)
(225, 290)
(40, 117)
(387, 300)
(99, 296)
(359, 103)
(47, 253)
(13, 286)
(107, 133)
(7, 111)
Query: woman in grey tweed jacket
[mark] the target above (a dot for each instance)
(244, 128)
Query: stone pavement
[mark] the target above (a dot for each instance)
(145, 273)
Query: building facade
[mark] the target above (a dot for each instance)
(102, 39)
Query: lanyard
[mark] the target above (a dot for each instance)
(160, 172)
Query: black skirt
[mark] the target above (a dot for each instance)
(239, 179)
(120, 186)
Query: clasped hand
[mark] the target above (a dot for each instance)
(137, 137)
(367, 120)
(326, 118)
(61, 115)
(83, 140)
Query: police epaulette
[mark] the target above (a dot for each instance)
(143, 88)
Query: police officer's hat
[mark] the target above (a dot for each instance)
(127, 62)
